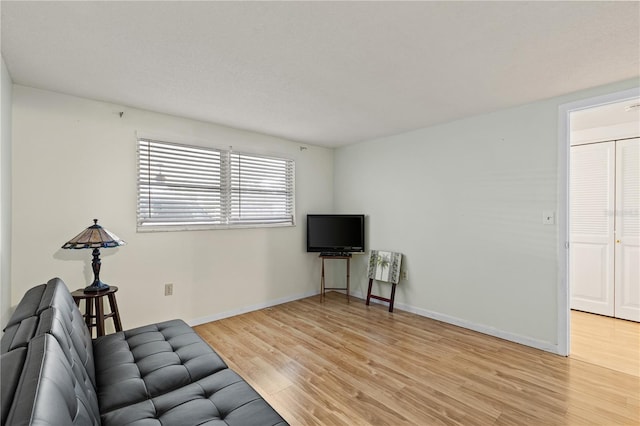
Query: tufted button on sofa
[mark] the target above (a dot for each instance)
(53, 373)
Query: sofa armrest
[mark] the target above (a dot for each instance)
(47, 392)
(10, 368)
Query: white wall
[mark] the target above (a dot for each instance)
(5, 195)
(464, 202)
(75, 159)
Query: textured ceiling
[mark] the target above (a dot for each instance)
(326, 73)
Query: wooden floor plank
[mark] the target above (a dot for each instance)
(606, 341)
(329, 362)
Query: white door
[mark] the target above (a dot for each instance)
(627, 251)
(591, 253)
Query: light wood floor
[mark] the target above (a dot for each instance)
(605, 341)
(329, 363)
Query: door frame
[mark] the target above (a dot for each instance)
(564, 145)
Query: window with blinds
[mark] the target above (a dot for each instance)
(189, 187)
(261, 190)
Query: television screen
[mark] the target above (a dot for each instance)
(331, 233)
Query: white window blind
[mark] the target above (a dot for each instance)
(184, 187)
(261, 189)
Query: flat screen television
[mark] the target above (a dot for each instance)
(335, 233)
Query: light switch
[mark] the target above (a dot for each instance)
(548, 217)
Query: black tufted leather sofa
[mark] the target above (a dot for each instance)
(53, 373)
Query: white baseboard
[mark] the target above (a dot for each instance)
(251, 308)
(512, 337)
(481, 328)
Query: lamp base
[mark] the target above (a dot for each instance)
(96, 287)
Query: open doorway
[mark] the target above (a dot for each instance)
(602, 226)
(604, 210)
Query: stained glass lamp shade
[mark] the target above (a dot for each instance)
(94, 237)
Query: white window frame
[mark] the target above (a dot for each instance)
(235, 180)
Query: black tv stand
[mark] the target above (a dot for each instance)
(335, 254)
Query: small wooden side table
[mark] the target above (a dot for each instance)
(94, 299)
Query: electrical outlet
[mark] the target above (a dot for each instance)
(404, 275)
(168, 289)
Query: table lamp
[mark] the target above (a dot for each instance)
(94, 237)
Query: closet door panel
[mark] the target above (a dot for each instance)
(591, 198)
(627, 230)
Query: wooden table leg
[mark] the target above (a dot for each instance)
(322, 281)
(114, 310)
(393, 296)
(88, 307)
(99, 316)
(348, 273)
(369, 291)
